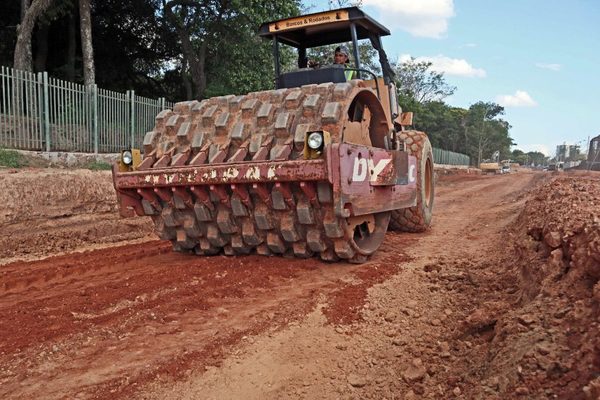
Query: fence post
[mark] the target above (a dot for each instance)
(161, 104)
(93, 89)
(39, 110)
(131, 94)
(46, 110)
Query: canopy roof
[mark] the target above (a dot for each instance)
(323, 28)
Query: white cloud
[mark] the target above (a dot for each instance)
(551, 67)
(520, 99)
(425, 18)
(449, 66)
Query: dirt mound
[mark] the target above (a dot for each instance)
(59, 159)
(45, 211)
(542, 321)
(36, 193)
(562, 223)
(560, 286)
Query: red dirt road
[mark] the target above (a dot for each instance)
(418, 321)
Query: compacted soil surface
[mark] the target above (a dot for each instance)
(499, 300)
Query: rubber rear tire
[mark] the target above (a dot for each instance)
(417, 218)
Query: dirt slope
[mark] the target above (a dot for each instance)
(47, 211)
(482, 306)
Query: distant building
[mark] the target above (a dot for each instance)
(562, 152)
(567, 152)
(593, 158)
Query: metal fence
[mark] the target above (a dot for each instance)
(41, 113)
(447, 157)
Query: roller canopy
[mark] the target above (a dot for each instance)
(323, 28)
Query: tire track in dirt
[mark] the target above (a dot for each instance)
(97, 322)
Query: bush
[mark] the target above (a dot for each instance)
(11, 159)
(99, 166)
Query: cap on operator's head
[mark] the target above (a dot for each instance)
(342, 50)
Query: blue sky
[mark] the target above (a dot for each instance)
(539, 59)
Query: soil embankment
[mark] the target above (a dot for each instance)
(50, 211)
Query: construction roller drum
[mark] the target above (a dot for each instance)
(233, 175)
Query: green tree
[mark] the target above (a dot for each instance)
(477, 132)
(519, 156)
(131, 46)
(486, 132)
(442, 123)
(242, 62)
(537, 158)
(531, 157)
(334, 4)
(416, 79)
(217, 38)
(9, 20)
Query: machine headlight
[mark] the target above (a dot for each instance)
(315, 140)
(127, 157)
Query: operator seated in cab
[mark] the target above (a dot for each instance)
(341, 57)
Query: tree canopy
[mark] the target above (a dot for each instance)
(416, 80)
(185, 49)
(478, 131)
(177, 48)
(531, 157)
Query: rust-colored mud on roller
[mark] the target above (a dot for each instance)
(322, 168)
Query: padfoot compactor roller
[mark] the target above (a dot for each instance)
(320, 166)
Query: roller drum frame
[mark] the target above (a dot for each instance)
(229, 174)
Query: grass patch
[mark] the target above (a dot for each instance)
(99, 166)
(11, 159)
